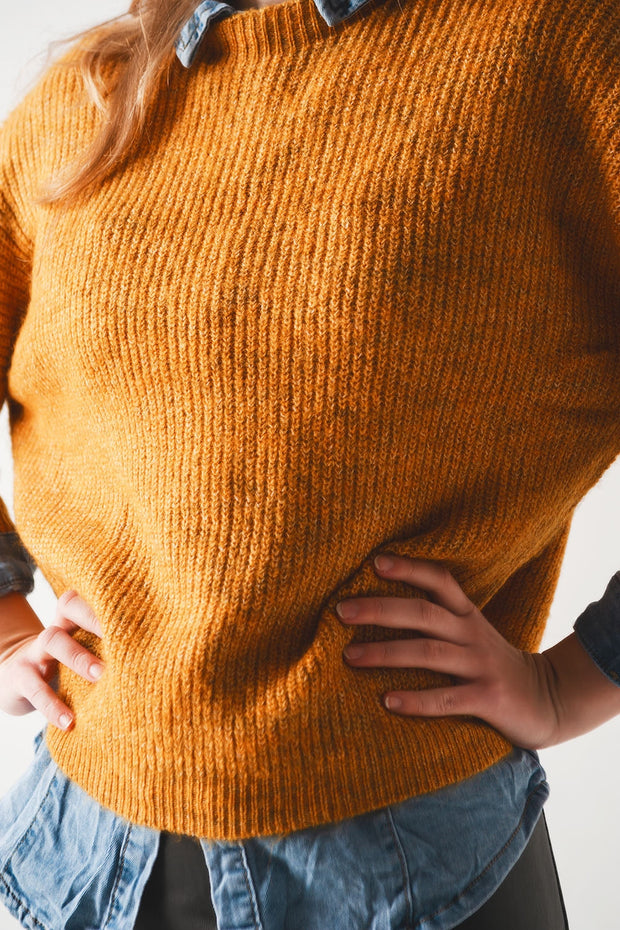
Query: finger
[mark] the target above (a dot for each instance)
(57, 643)
(433, 702)
(72, 611)
(432, 577)
(43, 698)
(413, 613)
(433, 654)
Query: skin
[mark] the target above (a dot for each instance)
(534, 699)
(29, 661)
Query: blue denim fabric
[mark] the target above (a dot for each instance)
(194, 29)
(598, 630)
(66, 863)
(16, 565)
(191, 35)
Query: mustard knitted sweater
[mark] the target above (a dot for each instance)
(357, 291)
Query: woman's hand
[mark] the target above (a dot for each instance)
(514, 691)
(28, 666)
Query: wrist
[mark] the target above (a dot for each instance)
(583, 696)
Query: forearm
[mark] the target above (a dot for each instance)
(18, 621)
(583, 695)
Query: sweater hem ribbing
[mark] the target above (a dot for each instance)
(366, 778)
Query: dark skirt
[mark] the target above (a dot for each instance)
(177, 894)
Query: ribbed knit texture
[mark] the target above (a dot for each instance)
(357, 292)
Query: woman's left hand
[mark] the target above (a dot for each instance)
(512, 690)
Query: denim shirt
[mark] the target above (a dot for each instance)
(427, 863)
(455, 846)
(598, 630)
(16, 565)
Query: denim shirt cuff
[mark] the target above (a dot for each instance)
(16, 565)
(598, 630)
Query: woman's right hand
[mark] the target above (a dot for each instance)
(28, 666)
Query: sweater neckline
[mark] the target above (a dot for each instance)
(283, 27)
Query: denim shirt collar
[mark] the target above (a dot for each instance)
(332, 11)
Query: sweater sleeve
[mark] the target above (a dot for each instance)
(591, 67)
(16, 565)
(582, 113)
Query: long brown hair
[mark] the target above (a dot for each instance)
(139, 45)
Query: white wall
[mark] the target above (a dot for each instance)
(582, 812)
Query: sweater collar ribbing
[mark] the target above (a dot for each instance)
(283, 15)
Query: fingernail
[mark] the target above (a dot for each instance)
(64, 720)
(353, 652)
(384, 563)
(96, 671)
(392, 702)
(346, 610)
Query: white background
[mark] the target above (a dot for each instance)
(584, 774)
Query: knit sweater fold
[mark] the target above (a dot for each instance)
(356, 291)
